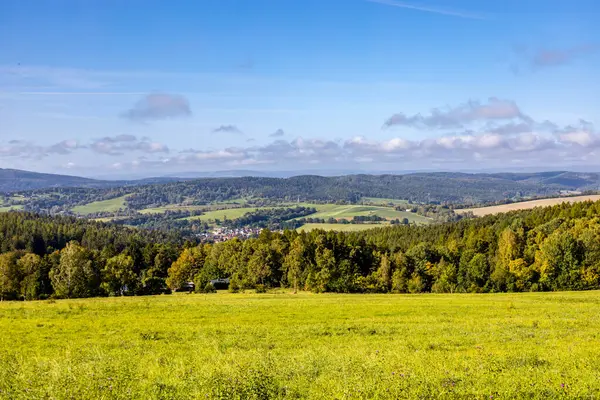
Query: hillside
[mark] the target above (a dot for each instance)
(457, 188)
(175, 199)
(14, 180)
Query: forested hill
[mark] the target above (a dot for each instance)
(554, 248)
(441, 188)
(14, 180)
(420, 187)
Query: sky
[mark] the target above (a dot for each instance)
(111, 88)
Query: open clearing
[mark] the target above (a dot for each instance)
(342, 227)
(324, 211)
(172, 207)
(526, 345)
(231, 213)
(350, 211)
(380, 200)
(111, 205)
(526, 205)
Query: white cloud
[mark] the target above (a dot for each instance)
(120, 144)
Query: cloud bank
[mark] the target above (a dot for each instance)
(461, 116)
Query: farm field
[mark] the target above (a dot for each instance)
(230, 213)
(525, 205)
(350, 211)
(111, 205)
(171, 207)
(341, 227)
(233, 213)
(242, 346)
(324, 211)
(379, 200)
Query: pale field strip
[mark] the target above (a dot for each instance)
(526, 205)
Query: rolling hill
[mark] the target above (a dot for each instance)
(14, 180)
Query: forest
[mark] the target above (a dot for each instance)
(544, 249)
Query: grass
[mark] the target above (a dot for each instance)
(171, 207)
(379, 200)
(342, 227)
(233, 213)
(230, 213)
(526, 205)
(350, 211)
(246, 346)
(111, 205)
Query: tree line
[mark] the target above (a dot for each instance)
(544, 249)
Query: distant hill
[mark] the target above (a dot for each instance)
(14, 180)
(440, 187)
(436, 187)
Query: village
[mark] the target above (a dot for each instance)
(223, 233)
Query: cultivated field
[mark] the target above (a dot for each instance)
(230, 213)
(350, 211)
(247, 346)
(380, 200)
(172, 207)
(111, 205)
(324, 211)
(525, 205)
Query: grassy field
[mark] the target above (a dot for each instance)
(231, 213)
(111, 205)
(246, 346)
(350, 211)
(342, 227)
(526, 205)
(171, 207)
(380, 200)
(324, 211)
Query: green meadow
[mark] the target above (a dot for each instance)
(110, 205)
(230, 213)
(384, 201)
(350, 211)
(280, 345)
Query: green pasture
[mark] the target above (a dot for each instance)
(230, 213)
(349, 211)
(233, 213)
(304, 346)
(111, 205)
(171, 207)
(380, 200)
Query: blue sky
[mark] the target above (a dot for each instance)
(141, 88)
